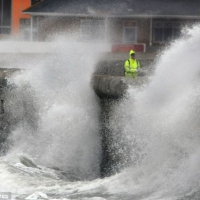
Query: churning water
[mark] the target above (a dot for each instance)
(154, 129)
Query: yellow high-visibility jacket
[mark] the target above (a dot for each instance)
(131, 66)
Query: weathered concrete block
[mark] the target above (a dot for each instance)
(114, 86)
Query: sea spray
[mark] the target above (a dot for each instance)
(157, 132)
(62, 106)
(157, 127)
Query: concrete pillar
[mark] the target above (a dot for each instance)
(31, 29)
(151, 32)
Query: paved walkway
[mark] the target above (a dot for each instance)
(125, 56)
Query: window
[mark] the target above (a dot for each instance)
(130, 34)
(130, 31)
(25, 28)
(5, 16)
(92, 30)
(165, 31)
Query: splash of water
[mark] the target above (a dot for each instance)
(55, 111)
(156, 129)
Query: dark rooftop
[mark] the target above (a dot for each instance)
(118, 8)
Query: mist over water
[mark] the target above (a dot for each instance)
(157, 126)
(56, 112)
(154, 129)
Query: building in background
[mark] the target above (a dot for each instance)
(17, 17)
(5, 17)
(12, 19)
(122, 24)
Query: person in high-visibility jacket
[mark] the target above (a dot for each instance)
(131, 65)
